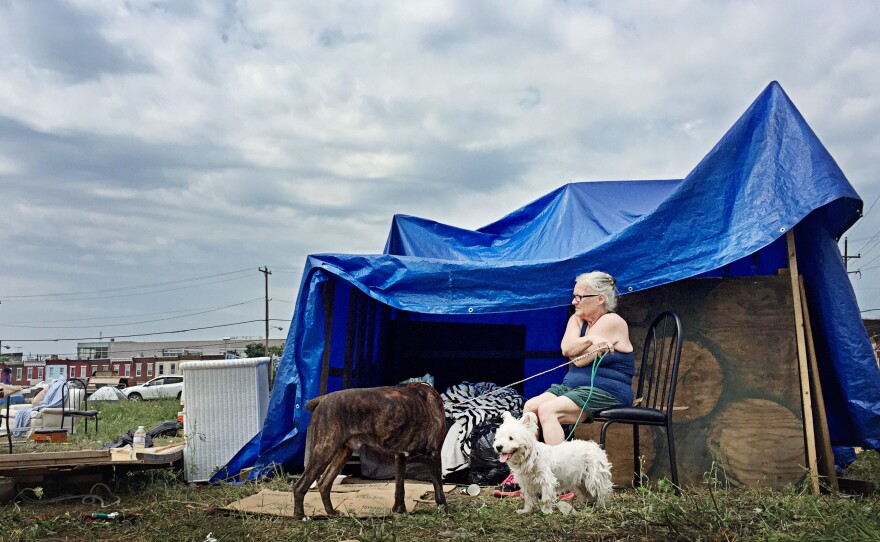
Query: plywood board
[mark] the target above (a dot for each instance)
(739, 403)
(162, 454)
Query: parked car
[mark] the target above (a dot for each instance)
(161, 387)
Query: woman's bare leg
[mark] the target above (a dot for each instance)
(552, 414)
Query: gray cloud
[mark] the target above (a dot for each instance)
(161, 140)
(58, 37)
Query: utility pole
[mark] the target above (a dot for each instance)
(265, 271)
(847, 257)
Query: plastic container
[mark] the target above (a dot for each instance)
(139, 443)
(226, 405)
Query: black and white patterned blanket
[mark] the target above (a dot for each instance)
(467, 405)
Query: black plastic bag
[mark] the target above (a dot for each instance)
(485, 469)
(379, 465)
(164, 429)
(127, 438)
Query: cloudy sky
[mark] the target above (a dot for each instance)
(154, 154)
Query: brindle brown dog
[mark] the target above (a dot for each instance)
(406, 420)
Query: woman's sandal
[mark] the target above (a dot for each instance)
(508, 488)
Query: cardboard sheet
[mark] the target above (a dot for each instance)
(358, 500)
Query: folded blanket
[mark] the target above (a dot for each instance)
(53, 399)
(470, 405)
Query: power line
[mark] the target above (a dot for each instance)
(860, 239)
(138, 334)
(872, 260)
(868, 249)
(99, 338)
(153, 285)
(133, 323)
(871, 207)
(127, 315)
(130, 295)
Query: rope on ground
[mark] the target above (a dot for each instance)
(90, 498)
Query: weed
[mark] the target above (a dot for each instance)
(169, 509)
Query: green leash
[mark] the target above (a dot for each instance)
(593, 372)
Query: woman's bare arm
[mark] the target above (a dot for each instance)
(573, 344)
(607, 334)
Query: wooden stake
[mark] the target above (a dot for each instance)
(354, 299)
(823, 437)
(328, 290)
(802, 364)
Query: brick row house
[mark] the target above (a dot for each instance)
(136, 361)
(136, 370)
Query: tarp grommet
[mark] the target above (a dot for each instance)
(296, 406)
(470, 309)
(630, 289)
(782, 230)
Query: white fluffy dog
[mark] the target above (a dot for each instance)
(543, 471)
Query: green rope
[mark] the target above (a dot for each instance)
(593, 372)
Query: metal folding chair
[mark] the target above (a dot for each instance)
(655, 395)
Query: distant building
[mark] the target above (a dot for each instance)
(16, 366)
(137, 361)
(128, 350)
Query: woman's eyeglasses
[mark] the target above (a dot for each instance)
(578, 298)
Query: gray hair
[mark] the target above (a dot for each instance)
(601, 283)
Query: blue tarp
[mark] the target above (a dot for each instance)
(767, 174)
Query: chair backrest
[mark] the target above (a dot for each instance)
(658, 374)
(74, 393)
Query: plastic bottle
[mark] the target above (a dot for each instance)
(139, 443)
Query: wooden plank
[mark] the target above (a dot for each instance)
(360, 342)
(350, 333)
(825, 455)
(166, 449)
(53, 458)
(162, 454)
(327, 294)
(812, 464)
(384, 343)
(369, 375)
(165, 454)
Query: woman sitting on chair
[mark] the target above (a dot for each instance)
(593, 330)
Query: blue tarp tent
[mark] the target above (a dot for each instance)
(728, 216)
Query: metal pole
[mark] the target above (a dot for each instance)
(265, 271)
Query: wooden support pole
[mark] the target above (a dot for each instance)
(359, 349)
(327, 297)
(384, 345)
(350, 333)
(802, 364)
(825, 455)
(369, 373)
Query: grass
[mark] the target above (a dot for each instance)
(116, 418)
(169, 509)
